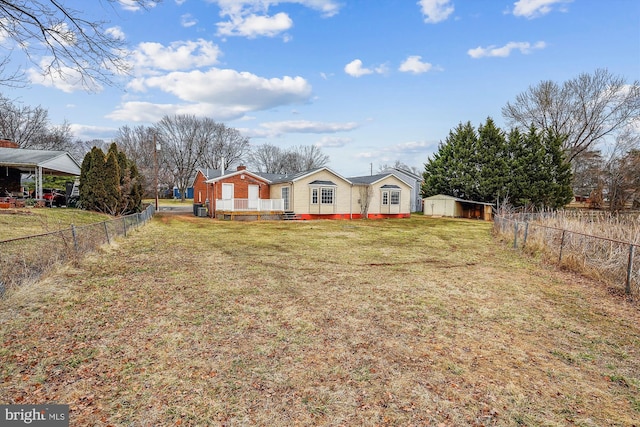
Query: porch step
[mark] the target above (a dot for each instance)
(290, 216)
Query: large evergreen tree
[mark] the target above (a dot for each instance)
(110, 183)
(487, 166)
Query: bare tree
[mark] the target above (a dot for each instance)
(225, 146)
(138, 145)
(399, 165)
(366, 193)
(29, 127)
(622, 172)
(183, 140)
(267, 158)
(61, 42)
(307, 157)
(586, 109)
(272, 159)
(80, 148)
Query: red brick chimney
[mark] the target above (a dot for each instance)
(5, 143)
(242, 168)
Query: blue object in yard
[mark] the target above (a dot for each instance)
(176, 193)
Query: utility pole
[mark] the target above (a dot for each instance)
(156, 148)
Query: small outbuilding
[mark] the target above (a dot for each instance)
(449, 206)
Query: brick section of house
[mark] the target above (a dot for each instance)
(200, 188)
(241, 184)
(5, 143)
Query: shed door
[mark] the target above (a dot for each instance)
(227, 191)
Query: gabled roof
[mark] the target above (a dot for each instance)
(372, 179)
(228, 174)
(321, 182)
(405, 172)
(300, 175)
(368, 179)
(56, 162)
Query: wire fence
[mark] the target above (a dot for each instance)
(612, 260)
(27, 258)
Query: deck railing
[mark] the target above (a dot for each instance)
(262, 205)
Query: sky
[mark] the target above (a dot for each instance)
(371, 82)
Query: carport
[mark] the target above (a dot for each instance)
(16, 161)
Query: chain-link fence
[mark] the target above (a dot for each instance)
(615, 261)
(27, 258)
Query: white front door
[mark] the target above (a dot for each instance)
(254, 197)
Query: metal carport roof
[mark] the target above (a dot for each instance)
(39, 162)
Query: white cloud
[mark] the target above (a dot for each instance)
(504, 51)
(230, 87)
(220, 93)
(180, 2)
(88, 133)
(253, 26)
(187, 20)
(436, 10)
(414, 64)
(366, 155)
(355, 69)
(333, 142)
(412, 147)
(251, 18)
(177, 56)
(67, 80)
(535, 8)
(116, 33)
(133, 5)
(306, 126)
(138, 111)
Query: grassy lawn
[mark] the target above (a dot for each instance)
(29, 221)
(190, 321)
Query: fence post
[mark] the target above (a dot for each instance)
(561, 246)
(75, 238)
(627, 287)
(124, 225)
(106, 232)
(526, 233)
(515, 235)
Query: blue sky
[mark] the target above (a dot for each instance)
(369, 81)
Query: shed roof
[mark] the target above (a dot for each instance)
(457, 199)
(55, 162)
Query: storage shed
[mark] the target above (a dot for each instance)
(443, 205)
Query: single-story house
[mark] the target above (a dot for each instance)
(443, 205)
(319, 193)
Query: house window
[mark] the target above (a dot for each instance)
(385, 197)
(314, 196)
(326, 196)
(395, 197)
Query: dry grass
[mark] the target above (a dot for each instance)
(30, 221)
(405, 322)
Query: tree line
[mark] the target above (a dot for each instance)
(579, 137)
(487, 165)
